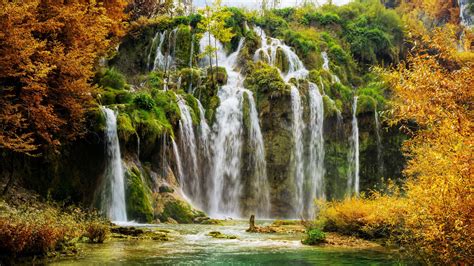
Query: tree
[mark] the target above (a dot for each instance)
(214, 22)
(47, 56)
(435, 91)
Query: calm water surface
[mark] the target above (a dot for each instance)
(192, 246)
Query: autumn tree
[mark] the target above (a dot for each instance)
(435, 90)
(47, 55)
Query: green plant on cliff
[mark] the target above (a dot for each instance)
(138, 194)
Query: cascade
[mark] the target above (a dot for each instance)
(353, 173)
(226, 186)
(179, 165)
(225, 192)
(465, 16)
(379, 144)
(205, 131)
(316, 148)
(298, 127)
(190, 178)
(113, 201)
(160, 58)
(309, 179)
(261, 186)
(296, 67)
(335, 78)
(153, 43)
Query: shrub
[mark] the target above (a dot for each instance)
(112, 78)
(370, 217)
(144, 101)
(34, 229)
(314, 237)
(97, 232)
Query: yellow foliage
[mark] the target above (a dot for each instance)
(376, 216)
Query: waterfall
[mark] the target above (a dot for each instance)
(226, 188)
(325, 57)
(380, 165)
(308, 178)
(225, 192)
(179, 166)
(205, 131)
(190, 181)
(261, 186)
(153, 43)
(297, 130)
(335, 78)
(316, 148)
(296, 67)
(464, 15)
(114, 200)
(160, 59)
(353, 173)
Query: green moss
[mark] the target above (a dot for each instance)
(281, 61)
(263, 78)
(125, 129)
(180, 212)
(96, 119)
(183, 46)
(218, 74)
(107, 97)
(219, 235)
(155, 80)
(193, 104)
(112, 78)
(144, 101)
(123, 97)
(138, 195)
(167, 106)
(365, 104)
(190, 77)
(330, 108)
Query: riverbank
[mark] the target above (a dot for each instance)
(194, 244)
(32, 229)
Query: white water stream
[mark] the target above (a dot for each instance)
(113, 201)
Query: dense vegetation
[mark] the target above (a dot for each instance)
(413, 61)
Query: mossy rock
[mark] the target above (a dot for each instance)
(180, 212)
(218, 74)
(330, 107)
(281, 61)
(125, 128)
(96, 119)
(190, 77)
(219, 235)
(138, 197)
(263, 78)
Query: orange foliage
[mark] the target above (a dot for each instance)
(436, 90)
(440, 11)
(47, 55)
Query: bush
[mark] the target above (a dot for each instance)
(97, 232)
(112, 79)
(314, 237)
(371, 217)
(144, 101)
(36, 230)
